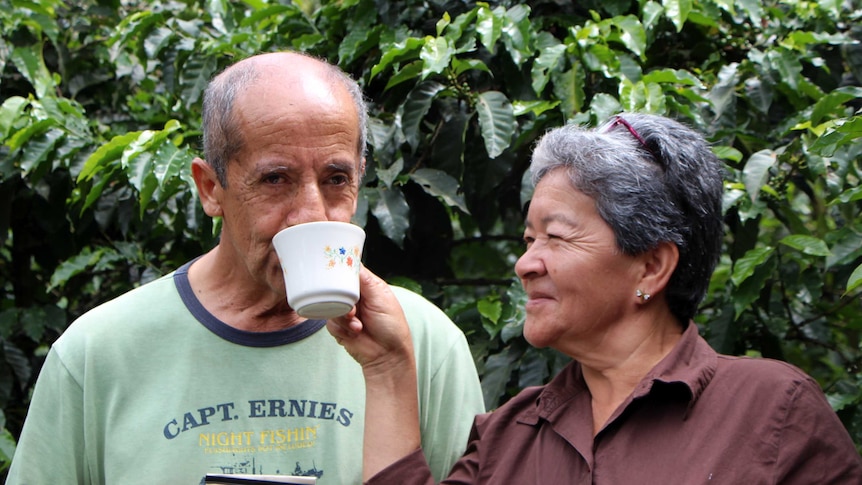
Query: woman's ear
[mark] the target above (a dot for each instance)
(659, 264)
(209, 188)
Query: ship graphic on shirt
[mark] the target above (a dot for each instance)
(249, 467)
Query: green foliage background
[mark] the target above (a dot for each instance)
(100, 117)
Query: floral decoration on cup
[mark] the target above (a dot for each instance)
(342, 256)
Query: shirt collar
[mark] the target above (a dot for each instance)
(692, 363)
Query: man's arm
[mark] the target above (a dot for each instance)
(449, 402)
(51, 446)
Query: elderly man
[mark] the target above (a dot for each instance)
(208, 369)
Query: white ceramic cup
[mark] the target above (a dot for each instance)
(320, 262)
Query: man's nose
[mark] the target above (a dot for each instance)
(309, 205)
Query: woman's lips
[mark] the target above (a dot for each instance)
(535, 299)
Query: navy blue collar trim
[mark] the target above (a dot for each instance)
(231, 334)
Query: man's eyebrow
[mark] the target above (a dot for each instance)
(346, 166)
(273, 167)
(338, 166)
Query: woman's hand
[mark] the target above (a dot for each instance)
(375, 332)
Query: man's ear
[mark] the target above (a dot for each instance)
(209, 188)
(659, 264)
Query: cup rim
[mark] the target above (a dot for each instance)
(306, 225)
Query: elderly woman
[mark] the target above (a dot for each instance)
(622, 234)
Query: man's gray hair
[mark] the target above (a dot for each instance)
(653, 180)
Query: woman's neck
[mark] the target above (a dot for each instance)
(622, 359)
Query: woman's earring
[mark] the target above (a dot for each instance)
(644, 296)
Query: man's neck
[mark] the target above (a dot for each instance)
(236, 299)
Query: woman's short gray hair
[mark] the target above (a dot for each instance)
(653, 180)
(221, 130)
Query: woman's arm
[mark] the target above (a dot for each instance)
(375, 333)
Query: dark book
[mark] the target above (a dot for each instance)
(219, 479)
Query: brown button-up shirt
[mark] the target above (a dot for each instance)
(697, 418)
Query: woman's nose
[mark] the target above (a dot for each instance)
(529, 264)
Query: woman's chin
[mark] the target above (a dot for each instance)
(535, 336)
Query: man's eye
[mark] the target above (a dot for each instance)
(272, 178)
(340, 179)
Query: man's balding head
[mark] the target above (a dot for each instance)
(297, 74)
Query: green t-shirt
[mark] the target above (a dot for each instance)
(152, 388)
